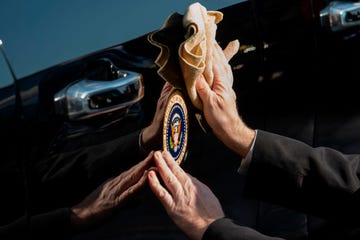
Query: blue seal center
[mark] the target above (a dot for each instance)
(175, 131)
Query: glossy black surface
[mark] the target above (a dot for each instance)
(290, 79)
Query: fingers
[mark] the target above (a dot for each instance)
(220, 59)
(160, 192)
(219, 56)
(231, 49)
(166, 90)
(173, 177)
(131, 181)
(221, 68)
(174, 166)
(202, 88)
(161, 103)
(132, 176)
(133, 189)
(170, 179)
(135, 172)
(167, 87)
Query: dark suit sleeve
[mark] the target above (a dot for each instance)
(52, 225)
(227, 229)
(319, 181)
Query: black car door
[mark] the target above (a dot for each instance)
(13, 200)
(288, 77)
(307, 85)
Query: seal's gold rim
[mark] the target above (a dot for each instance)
(176, 97)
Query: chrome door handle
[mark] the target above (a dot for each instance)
(86, 98)
(339, 15)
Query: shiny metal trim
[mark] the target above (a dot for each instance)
(73, 100)
(333, 16)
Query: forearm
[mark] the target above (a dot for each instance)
(241, 139)
(227, 229)
(317, 180)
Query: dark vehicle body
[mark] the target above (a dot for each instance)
(292, 76)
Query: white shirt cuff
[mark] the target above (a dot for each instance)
(245, 162)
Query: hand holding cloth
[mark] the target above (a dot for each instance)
(186, 45)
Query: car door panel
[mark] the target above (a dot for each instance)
(288, 77)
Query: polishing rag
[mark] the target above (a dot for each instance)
(186, 44)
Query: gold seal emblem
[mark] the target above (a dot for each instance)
(175, 128)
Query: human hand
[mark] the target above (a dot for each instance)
(152, 135)
(111, 194)
(188, 202)
(220, 108)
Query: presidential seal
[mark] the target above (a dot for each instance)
(175, 129)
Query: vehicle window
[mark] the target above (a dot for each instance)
(38, 34)
(5, 76)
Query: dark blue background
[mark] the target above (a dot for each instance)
(41, 33)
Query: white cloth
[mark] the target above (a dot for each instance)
(245, 162)
(195, 51)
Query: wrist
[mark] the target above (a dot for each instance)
(198, 232)
(82, 217)
(148, 140)
(78, 218)
(142, 148)
(245, 140)
(241, 138)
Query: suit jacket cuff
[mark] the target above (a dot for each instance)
(227, 229)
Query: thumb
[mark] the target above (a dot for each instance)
(202, 88)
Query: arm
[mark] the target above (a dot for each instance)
(319, 181)
(220, 109)
(227, 229)
(74, 169)
(294, 174)
(282, 170)
(88, 158)
(62, 223)
(110, 195)
(151, 137)
(188, 202)
(192, 205)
